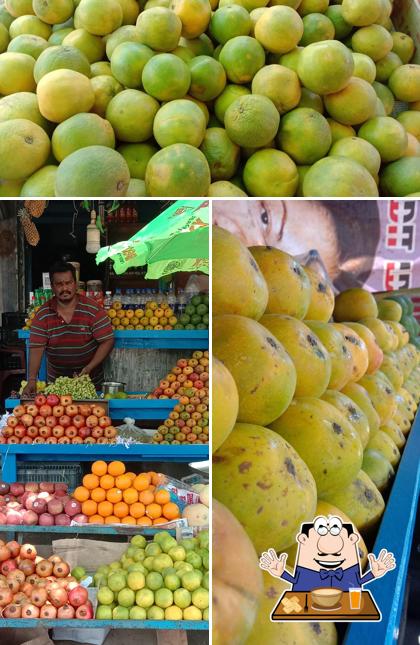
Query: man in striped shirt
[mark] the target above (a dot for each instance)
(74, 331)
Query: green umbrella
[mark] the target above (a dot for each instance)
(176, 240)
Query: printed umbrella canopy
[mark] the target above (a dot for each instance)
(176, 240)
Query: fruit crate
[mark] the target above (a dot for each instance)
(183, 625)
(70, 474)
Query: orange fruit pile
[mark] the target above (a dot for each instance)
(111, 495)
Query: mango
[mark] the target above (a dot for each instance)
(381, 393)
(265, 484)
(393, 430)
(392, 370)
(375, 353)
(359, 395)
(357, 348)
(353, 413)
(354, 304)
(360, 500)
(324, 439)
(265, 631)
(237, 579)
(225, 405)
(309, 356)
(341, 359)
(394, 336)
(401, 332)
(382, 334)
(389, 310)
(249, 296)
(382, 443)
(402, 421)
(289, 288)
(321, 304)
(262, 370)
(378, 468)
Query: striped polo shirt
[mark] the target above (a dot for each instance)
(70, 346)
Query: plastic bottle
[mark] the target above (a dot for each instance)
(108, 300)
(181, 302)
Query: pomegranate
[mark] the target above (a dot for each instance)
(44, 568)
(6, 596)
(45, 432)
(15, 579)
(39, 596)
(53, 399)
(3, 518)
(14, 517)
(4, 488)
(30, 518)
(7, 566)
(33, 578)
(47, 487)
(62, 520)
(61, 570)
(78, 596)
(104, 421)
(5, 553)
(57, 596)
(12, 422)
(55, 506)
(40, 399)
(84, 612)
(54, 558)
(32, 410)
(48, 611)
(65, 612)
(39, 505)
(20, 598)
(30, 611)
(39, 421)
(27, 589)
(73, 507)
(46, 520)
(45, 410)
(28, 552)
(12, 611)
(58, 411)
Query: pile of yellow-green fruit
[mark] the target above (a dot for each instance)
(310, 416)
(206, 97)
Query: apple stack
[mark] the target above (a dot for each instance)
(44, 504)
(34, 587)
(58, 419)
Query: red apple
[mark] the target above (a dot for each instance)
(19, 410)
(65, 400)
(39, 421)
(20, 432)
(104, 422)
(90, 440)
(32, 409)
(40, 399)
(58, 410)
(78, 421)
(98, 411)
(97, 432)
(58, 431)
(77, 440)
(51, 440)
(84, 432)
(27, 420)
(50, 421)
(102, 440)
(53, 399)
(64, 440)
(39, 440)
(45, 432)
(71, 432)
(13, 440)
(64, 421)
(45, 410)
(92, 421)
(7, 431)
(12, 421)
(26, 440)
(32, 432)
(84, 409)
(110, 432)
(71, 410)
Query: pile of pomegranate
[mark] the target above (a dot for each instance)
(57, 419)
(44, 504)
(32, 587)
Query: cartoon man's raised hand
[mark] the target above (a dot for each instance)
(382, 564)
(271, 563)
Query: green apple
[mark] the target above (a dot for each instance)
(154, 580)
(104, 612)
(138, 541)
(182, 598)
(116, 581)
(177, 553)
(126, 597)
(173, 613)
(78, 572)
(105, 596)
(172, 581)
(136, 580)
(120, 613)
(138, 613)
(200, 598)
(161, 562)
(204, 539)
(191, 580)
(192, 613)
(155, 613)
(145, 598)
(164, 598)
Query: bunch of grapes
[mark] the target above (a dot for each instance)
(78, 387)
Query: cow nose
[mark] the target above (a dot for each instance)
(330, 543)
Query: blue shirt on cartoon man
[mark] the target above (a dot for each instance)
(327, 557)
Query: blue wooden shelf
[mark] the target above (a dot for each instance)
(86, 529)
(185, 625)
(11, 453)
(396, 535)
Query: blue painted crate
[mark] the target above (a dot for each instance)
(186, 625)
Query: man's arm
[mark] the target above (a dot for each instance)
(35, 358)
(104, 349)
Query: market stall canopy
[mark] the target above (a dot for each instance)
(176, 240)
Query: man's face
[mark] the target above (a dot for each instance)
(64, 287)
(327, 546)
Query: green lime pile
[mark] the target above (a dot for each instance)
(167, 98)
(159, 580)
(196, 315)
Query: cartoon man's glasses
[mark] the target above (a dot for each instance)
(331, 525)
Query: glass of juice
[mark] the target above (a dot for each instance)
(355, 598)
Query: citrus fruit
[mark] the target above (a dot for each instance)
(159, 28)
(28, 44)
(104, 88)
(62, 93)
(99, 17)
(137, 188)
(22, 105)
(19, 7)
(252, 121)
(61, 57)
(16, 73)
(270, 173)
(386, 65)
(146, 497)
(385, 95)
(279, 29)
(316, 27)
(81, 493)
(89, 507)
(305, 135)
(403, 45)
(404, 83)
(25, 25)
(325, 67)
(280, 84)
(41, 183)
(166, 77)
(95, 171)
(201, 46)
(116, 468)
(361, 13)
(413, 146)
(124, 34)
(401, 177)
(312, 100)
(341, 27)
(208, 78)
(339, 131)
(364, 67)
(225, 189)
(184, 53)
(170, 510)
(354, 104)
(114, 495)
(4, 38)
(127, 62)
(242, 57)
(194, 15)
(230, 21)
(90, 481)
(131, 10)
(142, 482)
(374, 41)
(79, 131)
(6, 18)
(228, 96)
(131, 114)
(93, 47)
(102, 68)
(99, 468)
(338, 177)
(359, 150)
(221, 153)
(178, 170)
(107, 481)
(137, 156)
(410, 120)
(312, 6)
(24, 148)
(57, 37)
(179, 122)
(98, 494)
(53, 11)
(387, 135)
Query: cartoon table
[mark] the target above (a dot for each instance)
(368, 610)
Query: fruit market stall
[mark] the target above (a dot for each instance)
(345, 439)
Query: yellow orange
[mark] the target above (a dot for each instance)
(123, 482)
(105, 509)
(144, 521)
(153, 510)
(137, 510)
(121, 509)
(111, 519)
(114, 495)
(98, 494)
(116, 468)
(89, 507)
(130, 495)
(91, 481)
(159, 520)
(141, 482)
(146, 497)
(170, 511)
(81, 493)
(99, 468)
(96, 519)
(162, 496)
(128, 520)
(131, 475)
(107, 482)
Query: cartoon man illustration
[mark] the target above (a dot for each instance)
(327, 557)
